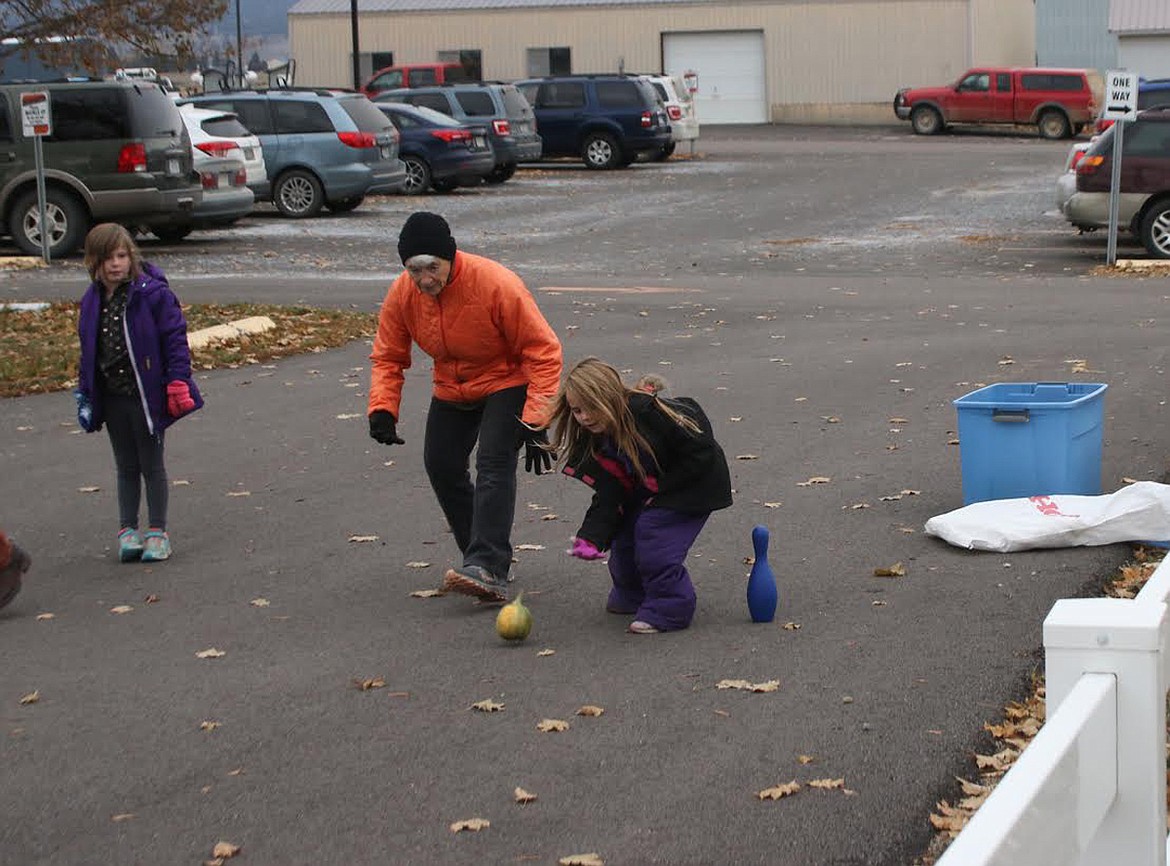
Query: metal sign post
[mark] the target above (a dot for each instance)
(36, 122)
(1120, 107)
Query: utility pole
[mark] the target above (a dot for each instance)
(239, 48)
(357, 63)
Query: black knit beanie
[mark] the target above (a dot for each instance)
(428, 234)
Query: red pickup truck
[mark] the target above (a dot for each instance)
(1059, 102)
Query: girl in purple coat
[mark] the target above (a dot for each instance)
(134, 377)
(657, 474)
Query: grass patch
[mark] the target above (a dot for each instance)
(39, 350)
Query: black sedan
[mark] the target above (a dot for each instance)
(439, 152)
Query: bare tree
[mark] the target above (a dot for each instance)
(81, 32)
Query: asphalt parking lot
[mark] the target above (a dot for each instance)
(824, 293)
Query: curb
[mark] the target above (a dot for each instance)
(232, 331)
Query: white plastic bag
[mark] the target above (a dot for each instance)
(1138, 512)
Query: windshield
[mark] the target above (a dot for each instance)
(365, 115)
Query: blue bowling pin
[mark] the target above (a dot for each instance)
(761, 588)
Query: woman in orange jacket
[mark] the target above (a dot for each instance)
(497, 364)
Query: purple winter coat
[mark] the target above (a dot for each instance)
(156, 337)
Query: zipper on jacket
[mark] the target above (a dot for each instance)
(134, 364)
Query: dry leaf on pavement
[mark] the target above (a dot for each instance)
(370, 683)
(88, 489)
(747, 457)
(590, 710)
(226, 850)
(211, 653)
(768, 686)
(816, 479)
(121, 608)
(31, 697)
(121, 816)
(551, 725)
(826, 783)
(208, 725)
(362, 539)
(259, 602)
(487, 706)
(418, 564)
(472, 824)
(41, 617)
(546, 652)
(779, 791)
(522, 796)
(805, 759)
(590, 859)
(791, 626)
(530, 547)
(895, 570)
(427, 593)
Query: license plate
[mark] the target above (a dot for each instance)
(480, 141)
(386, 153)
(172, 166)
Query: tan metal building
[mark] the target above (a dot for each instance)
(755, 61)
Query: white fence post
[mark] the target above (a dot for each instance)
(1124, 638)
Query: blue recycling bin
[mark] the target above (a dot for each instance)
(1019, 439)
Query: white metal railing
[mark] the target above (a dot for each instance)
(1090, 789)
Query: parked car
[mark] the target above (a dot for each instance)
(440, 153)
(606, 120)
(1151, 92)
(1144, 192)
(1059, 102)
(414, 75)
(322, 148)
(1066, 184)
(118, 151)
(509, 118)
(223, 172)
(680, 109)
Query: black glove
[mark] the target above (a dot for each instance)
(384, 428)
(537, 457)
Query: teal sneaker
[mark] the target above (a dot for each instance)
(156, 546)
(129, 545)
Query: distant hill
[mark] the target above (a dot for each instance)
(259, 17)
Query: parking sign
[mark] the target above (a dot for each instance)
(1120, 95)
(34, 113)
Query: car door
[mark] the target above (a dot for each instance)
(971, 101)
(1002, 99)
(10, 162)
(560, 109)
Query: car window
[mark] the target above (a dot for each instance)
(529, 92)
(660, 90)
(423, 77)
(515, 105)
(91, 114)
(6, 133)
(435, 118)
(365, 115)
(1049, 81)
(619, 94)
(476, 103)
(387, 80)
(1151, 97)
(1147, 139)
(978, 82)
(1003, 82)
(224, 126)
(561, 94)
(296, 116)
(436, 101)
(253, 113)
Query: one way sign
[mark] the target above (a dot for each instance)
(1120, 95)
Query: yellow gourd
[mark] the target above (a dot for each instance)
(514, 621)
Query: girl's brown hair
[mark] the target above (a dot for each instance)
(596, 387)
(103, 241)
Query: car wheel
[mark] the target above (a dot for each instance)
(1053, 124)
(601, 151)
(1156, 230)
(418, 176)
(501, 173)
(665, 153)
(298, 194)
(171, 234)
(66, 222)
(345, 205)
(926, 120)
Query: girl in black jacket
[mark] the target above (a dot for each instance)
(657, 473)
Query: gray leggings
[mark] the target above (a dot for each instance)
(138, 457)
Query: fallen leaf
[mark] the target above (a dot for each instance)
(879, 603)
(208, 725)
(226, 850)
(894, 498)
(590, 710)
(260, 602)
(805, 759)
(953, 441)
(349, 416)
(371, 683)
(855, 506)
(816, 479)
(894, 421)
(238, 771)
(180, 482)
(472, 824)
(31, 697)
(830, 419)
(747, 457)
(238, 493)
(362, 539)
(121, 816)
(735, 418)
(723, 713)
(41, 617)
(791, 626)
(487, 706)
(548, 517)
(590, 859)
(911, 492)
(530, 547)
(546, 652)
(211, 653)
(121, 608)
(546, 726)
(744, 685)
(427, 593)
(1127, 480)
(88, 489)
(826, 784)
(773, 504)
(418, 564)
(522, 796)
(1005, 362)
(779, 791)
(151, 599)
(895, 570)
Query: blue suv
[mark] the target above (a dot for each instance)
(322, 148)
(606, 120)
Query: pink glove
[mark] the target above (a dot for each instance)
(179, 401)
(583, 549)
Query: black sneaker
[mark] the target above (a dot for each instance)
(18, 564)
(477, 581)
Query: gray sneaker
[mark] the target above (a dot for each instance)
(477, 581)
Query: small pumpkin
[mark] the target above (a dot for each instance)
(514, 621)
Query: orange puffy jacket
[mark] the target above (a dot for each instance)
(484, 332)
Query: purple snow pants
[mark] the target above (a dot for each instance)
(646, 563)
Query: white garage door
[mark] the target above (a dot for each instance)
(730, 65)
(1149, 56)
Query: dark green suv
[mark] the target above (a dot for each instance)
(117, 152)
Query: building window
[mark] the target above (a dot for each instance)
(471, 59)
(549, 61)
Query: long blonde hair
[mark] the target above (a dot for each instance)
(103, 241)
(596, 387)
